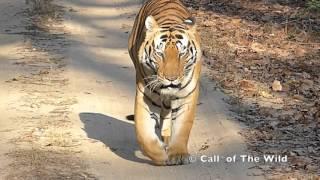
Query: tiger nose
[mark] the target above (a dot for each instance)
(172, 78)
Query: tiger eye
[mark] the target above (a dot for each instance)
(178, 36)
(163, 36)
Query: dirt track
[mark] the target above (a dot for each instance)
(67, 84)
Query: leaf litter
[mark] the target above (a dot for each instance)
(266, 56)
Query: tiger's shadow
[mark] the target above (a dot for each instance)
(118, 135)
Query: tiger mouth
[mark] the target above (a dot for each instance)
(174, 86)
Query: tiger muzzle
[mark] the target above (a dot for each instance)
(171, 85)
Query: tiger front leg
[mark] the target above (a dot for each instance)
(181, 127)
(147, 138)
(166, 123)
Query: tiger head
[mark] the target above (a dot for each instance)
(170, 54)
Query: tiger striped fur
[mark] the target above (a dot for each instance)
(165, 48)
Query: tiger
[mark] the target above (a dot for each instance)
(164, 46)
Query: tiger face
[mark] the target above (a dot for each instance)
(170, 55)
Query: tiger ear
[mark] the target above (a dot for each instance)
(151, 24)
(191, 22)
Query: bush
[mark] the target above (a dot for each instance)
(313, 5)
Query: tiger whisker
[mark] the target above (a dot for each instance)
(159, 84)
(150, 77)
(151, 83)
(155, 85)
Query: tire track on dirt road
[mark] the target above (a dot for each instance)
(44, 146)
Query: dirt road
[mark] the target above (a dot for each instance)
(67, 85)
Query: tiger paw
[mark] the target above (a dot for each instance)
(178, 159)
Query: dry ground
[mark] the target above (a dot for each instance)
(266, 56)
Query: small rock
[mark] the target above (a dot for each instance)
(306, 75)
(312, 167)
(265, 94)
(288, 169)
(274, 124)
(285, 87)
(311, 149)
(266, 18)
(307, 82)
(257, 47)
(33, 105)
(293, 153)
(247, 85)
(204, 147)
(204, 2)
(300, 52)
(276, 85)
(298, 97)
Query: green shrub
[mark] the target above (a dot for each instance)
(313, 5)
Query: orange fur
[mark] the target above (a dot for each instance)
(165, 49)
